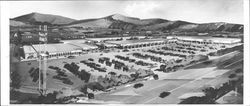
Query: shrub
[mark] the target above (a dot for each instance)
(238, 71)
(16, 80)
(83, 75)
(68, 81)
(112, 73)
(135, 76)
(232, 76)
(156, 77)
(34, 74)
(178, 61)
(95, 86)
(207, 62)
(90, 59)
(138, 85)
(91, 96)
(84, 89)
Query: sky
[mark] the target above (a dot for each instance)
(199, 11)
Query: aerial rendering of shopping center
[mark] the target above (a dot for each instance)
(108, 58)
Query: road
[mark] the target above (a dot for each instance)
(184, 87)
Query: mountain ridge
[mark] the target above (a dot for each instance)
(119, 21)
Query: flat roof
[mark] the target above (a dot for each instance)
(109, 38)
(84, 46)
(207, 38)
(76, 40)
(135, 41)
(51, 48)
(28, 49)
(107, 44)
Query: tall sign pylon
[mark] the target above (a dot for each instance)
(43, 32)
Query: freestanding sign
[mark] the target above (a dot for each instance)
(42, 59)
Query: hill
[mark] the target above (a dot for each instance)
(115, 21)
(217, 26)
(35, 18)
(18, 23)
(118, 21)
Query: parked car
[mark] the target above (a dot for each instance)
(125, 50)
(164, 94)
(71, 57)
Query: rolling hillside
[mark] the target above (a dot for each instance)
(115, 21)
(34, 18)
(18, 23)
(118, 21)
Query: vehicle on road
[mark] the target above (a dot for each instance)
(138, 85)
(164, 94)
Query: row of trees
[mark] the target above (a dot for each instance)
(74, 68)
(167, 53)
(94, 66)
(61, 75)
(34, 74)
(166, 69)
(117, 64)
(106, 60)
(120, 65)
(178, 50)
(125, 58)
(146, 56)
(142, 63)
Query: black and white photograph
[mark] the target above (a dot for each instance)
(125, 52)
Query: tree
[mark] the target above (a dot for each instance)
(156, 77)
(15, 80)
(232, 76)
(95, 86)
(163, 67)
(197, 100)
(91, 96)
(169, 69)
(210, 92)
(239, 71)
